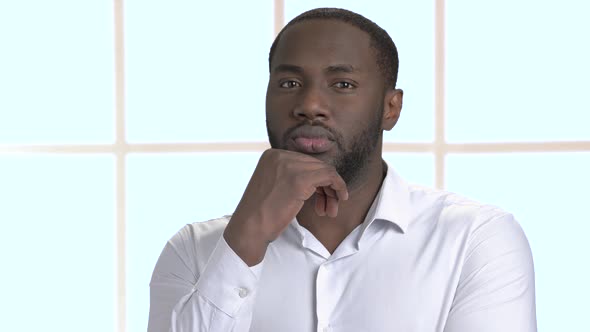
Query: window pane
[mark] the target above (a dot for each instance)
(415, 168)
(56, 72)
(57, 243)
(411, 26)
(195, 71)
(166, 192)
(518, 70)
(548, 194)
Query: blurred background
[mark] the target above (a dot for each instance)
(121, 121)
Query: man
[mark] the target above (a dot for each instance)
(326, 236)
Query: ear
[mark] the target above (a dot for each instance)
(392, 107)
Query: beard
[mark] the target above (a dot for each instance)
(353, 153)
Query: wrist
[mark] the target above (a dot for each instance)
(246, 242)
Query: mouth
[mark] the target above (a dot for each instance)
(311, 145)
(310, 139)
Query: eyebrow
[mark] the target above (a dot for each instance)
(338, 68)
(341, 68)
(288, 68)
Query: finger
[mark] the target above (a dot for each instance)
(328, 177)
(320, 202)
(328, 191)
(332, 201)
(331, 206)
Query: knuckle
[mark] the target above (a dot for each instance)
(333, 174)
(267, 152)
(299, 185)
(267, 155)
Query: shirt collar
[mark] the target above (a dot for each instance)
(392, 202)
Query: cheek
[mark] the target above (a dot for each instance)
(354, 116)
(277, 106)
(355, 123)
(275, 122)
(279, 116)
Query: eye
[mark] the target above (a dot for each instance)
(344, 85)
(290, 84)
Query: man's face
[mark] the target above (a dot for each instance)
(325, 95)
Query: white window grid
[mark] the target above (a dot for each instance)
(121, 148)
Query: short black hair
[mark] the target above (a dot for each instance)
(387, 57)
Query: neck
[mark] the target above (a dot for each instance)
(351, 213)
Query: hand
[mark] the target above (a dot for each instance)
(282, 182)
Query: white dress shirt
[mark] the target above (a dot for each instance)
(422, 261)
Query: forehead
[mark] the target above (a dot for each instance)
(321, 43)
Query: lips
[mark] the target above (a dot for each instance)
(312, 145)
(311, 139)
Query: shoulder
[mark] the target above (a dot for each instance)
(462, 220)
(487, 242)
(494, 277)
(453, 210)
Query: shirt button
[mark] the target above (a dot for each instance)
(243, 292)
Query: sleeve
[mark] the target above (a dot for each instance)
(220, 299)
(496, 290)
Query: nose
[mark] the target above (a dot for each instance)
(312, 106)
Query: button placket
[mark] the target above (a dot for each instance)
(323, 310)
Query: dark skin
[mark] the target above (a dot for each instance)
(325, 81)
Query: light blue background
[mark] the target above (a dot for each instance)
(56, 72)
(518, 70)
(57, 243)
(196, 72)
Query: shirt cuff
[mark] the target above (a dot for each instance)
(227, 281)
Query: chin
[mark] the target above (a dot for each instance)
(325, 157)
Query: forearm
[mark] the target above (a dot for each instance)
(220, 298)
